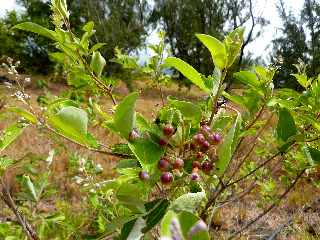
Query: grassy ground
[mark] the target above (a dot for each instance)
(297, 218)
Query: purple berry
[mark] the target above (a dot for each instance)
(195, 176)
(133, 135)
(206, 166)
(163, 142)
(199, 138)
(166, 178)
(178, 163)
(215, 138)
(168, 130)
(205, 146)
(144, 176)
(164, 164)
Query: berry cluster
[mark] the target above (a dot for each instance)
(168, 130)
(202, 142)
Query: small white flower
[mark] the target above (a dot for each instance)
(27, 79)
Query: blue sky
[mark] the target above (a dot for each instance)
(264, 8)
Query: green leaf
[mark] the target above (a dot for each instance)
(157, 209)
(233, 43)
(286, 126)
(184, 225)
(312, 154)
(124, 119)
(129, 195)
(227, 148)
(36, 28)
(216, 48)
(190, 111)
(23, 113)
(11, 133)
(97, 63)
(72, 123)
(5, 163)
(248, 78)
(30, 187)
(186, 70)
(188, 202)
(302, 79)
(147, 152)
(133, 229)
(97, 46)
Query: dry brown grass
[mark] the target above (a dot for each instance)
(302, 206)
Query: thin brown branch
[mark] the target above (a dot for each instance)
(283, 195)
(249, 36)
(7, 199)
(216, 97)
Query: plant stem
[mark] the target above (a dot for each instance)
(216, 97)
(7, 199)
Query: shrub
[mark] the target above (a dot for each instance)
(178, 169)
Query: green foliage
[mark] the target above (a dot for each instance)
(175, 170)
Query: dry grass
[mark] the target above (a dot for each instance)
(302, 206)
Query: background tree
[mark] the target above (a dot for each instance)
(181, 19)
(32, 51)
(295, 44)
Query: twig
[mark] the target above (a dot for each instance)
(278, 229)
(7, 199)
(270, 207)
(216, 97)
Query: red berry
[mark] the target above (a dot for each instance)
(133, 135)
(166, 178)
(199, 138)
(205, 146)
(168, 130)
(206, 166)
(178, 164)
(215, 138)
(164, 164)
(163, 142)
(144, 176)
(195, 176)
(196, 164)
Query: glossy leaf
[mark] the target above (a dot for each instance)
(31, 188)
(312, 154)
(227, 148)
(188, 202)
(97, 63)
(36, 28)
(186, 70)
(147, 152)
(286, 126)
(124, 119)
(190, 111)
(248, 78)
(72, 123)
(23, 113)
(11, 133)
(184, 225)
(233, 43)
(216, 48)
